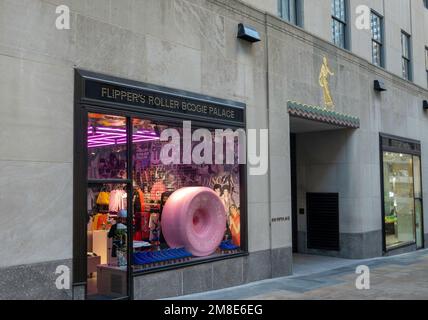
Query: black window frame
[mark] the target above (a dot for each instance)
(380, 42)
(82, 107)
(341, 22)
(407, 60)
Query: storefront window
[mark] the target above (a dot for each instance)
(399, 199)
(159, 182)
(107, 207)
(107, 137)
(155, 183)
(181, 210)
(107, 241)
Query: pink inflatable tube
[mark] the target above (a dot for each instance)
(194, 218)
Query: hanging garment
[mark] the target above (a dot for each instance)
(136, 201)
(114, 201)
(145, 228)
(154, 226)
(118, 200)
(141, 199)
(103, 198)
(235, 229)
(90, 201)
(99, 222)
(137, 222)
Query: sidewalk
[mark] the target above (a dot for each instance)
(398, 277)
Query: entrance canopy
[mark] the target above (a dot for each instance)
(307, 118)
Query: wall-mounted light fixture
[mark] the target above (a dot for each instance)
(425, 104)
(379, 86)
(248, 33)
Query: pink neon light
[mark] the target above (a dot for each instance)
(104, 136)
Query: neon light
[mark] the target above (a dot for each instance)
(105, 136)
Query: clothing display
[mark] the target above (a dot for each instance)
(100, 222)
(118, 200)
(103, 198)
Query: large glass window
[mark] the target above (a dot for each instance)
(155, 183)
(402, 191)
(399, 199)
(108, 195)
(151, 203)
(338, 8)
(377, 39)
(406, 55)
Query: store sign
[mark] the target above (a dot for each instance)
(162, 101)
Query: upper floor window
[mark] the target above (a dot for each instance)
(287, 10)
(377, 39)
(406, 55)
(339, 22)
(426, 3)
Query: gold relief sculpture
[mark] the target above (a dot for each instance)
(325, 74)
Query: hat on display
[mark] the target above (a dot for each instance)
(123, 214)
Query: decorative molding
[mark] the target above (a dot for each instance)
(320, 114)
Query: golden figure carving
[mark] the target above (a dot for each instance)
(325, 74)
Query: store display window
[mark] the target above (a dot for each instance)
(172, 213)
(159, 182)
(154, 183)
(402, 193)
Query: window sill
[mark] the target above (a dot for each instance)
(137, 273)
(399, 246)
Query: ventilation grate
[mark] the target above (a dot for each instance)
(323, 221)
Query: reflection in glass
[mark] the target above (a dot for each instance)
(399, 199)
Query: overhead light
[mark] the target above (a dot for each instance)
(379, 86)
(248, 33)
(425, 104)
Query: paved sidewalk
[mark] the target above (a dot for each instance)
(398, 277)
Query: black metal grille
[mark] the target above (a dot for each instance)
(323, 221)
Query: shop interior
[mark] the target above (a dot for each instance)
(117, 200)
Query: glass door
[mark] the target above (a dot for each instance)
(108, 196)
(399, 199)
(402, 200)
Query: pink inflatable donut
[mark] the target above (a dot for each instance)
(194, 218)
